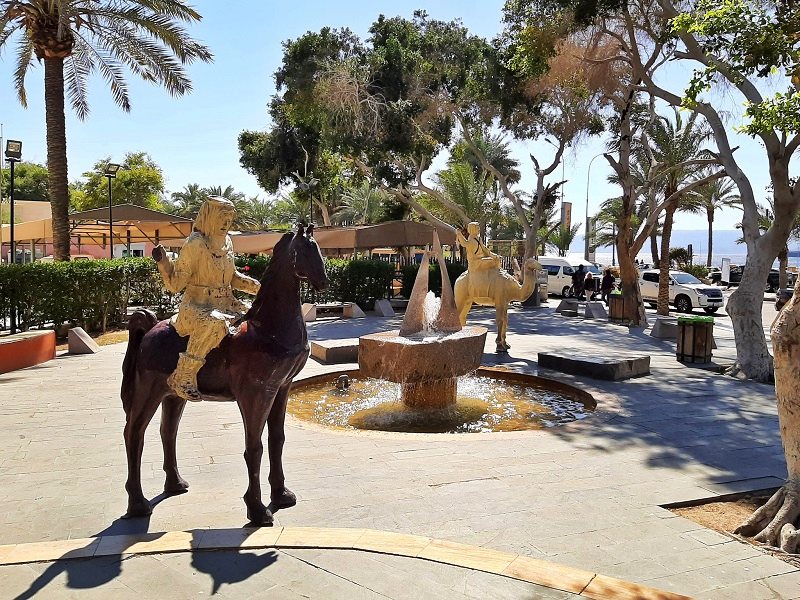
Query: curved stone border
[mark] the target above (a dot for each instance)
(26, 349)
(524, 568)
(607, 406)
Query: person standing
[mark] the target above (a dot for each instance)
(578, 279)
(606, 286)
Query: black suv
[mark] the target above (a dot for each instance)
(736, 278)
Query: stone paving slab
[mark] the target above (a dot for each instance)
(586, 496)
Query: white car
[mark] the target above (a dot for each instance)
(686, 292)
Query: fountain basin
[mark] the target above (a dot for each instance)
(489, 400)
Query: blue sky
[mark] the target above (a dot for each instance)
(193, 138)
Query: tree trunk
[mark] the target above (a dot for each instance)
(783, 265)
(654, 246)
(710, 215)
(634, 313)
(57, 155)
(775, 522)
(744, 307)
(663, 264)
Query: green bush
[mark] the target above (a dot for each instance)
(699, 271)
(434, 276)
(94, 294)
(359, 281)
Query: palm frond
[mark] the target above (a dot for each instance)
(77, 69)
(24, 58)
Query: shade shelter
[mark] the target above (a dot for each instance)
(347, 239)
(131, 224)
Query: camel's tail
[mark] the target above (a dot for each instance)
(140, 322)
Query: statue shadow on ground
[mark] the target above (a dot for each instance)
(224, 567)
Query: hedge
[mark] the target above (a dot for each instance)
(95, 294)
(434, 276)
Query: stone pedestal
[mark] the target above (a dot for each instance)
(665, 328)
(438, 393)
(80, 342)
(567, 304)
(596, 310)
(352, 310)
(335, 351)
(309, 312)
(383, 308)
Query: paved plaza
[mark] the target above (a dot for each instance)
(588, 496)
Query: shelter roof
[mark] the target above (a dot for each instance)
(362, 237)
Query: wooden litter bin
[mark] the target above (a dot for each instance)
(695, 339)
(616, 308)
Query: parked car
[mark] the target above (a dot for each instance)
(773, 280)
(686, 292)
(560, 270)
(734, 277)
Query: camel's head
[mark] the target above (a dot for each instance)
(532, 265)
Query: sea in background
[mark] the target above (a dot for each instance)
(725, 246)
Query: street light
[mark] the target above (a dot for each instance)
(111, 173)
(586, 237)
(13, 155)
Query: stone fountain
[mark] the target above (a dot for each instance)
(431, 349)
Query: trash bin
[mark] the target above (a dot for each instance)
(542, 292)
(695, 339)
(616, 308)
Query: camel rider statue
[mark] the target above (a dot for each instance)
(206, 273)
(479, 257)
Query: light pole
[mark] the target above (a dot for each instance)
(14, 155)
(110, 173)
(586, 237)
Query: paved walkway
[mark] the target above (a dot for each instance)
(587, 496)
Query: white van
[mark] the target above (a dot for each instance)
(560, 270)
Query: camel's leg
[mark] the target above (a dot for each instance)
(463, 311)
(501, 317)
(138, 417)
(279, 495)
(171, 412)
(254, 409)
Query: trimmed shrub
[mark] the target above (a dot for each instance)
(699, 271)
(434, 276)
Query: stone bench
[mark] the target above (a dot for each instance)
(610, 367)
(348, 310)
(335, 351)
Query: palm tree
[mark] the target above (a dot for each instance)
(563, 237)
(187, 202)
(670, 144)
(716, 195)
(360, 205)
(75, 38)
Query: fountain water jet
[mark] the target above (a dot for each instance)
(430, 351)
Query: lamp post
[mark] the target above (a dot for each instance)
(110, 173)
(14, 155)
(586, 237)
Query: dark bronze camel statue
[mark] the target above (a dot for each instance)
(254, 368)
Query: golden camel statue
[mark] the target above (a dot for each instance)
(486, 284)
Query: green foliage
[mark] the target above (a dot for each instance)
(253, 265)
(359, 281)
(140, 181)
(752, 39)
(699, 271)
(680, 256)
(93, 294)
(409, 274)
(30, 182)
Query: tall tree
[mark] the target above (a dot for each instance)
(186, 202)
(673, 148)
(76, 38)
(361, 205)
(715, 196)
(140, 181)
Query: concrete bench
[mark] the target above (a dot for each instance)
(610, 367)
(335, 351)
(348, 310)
